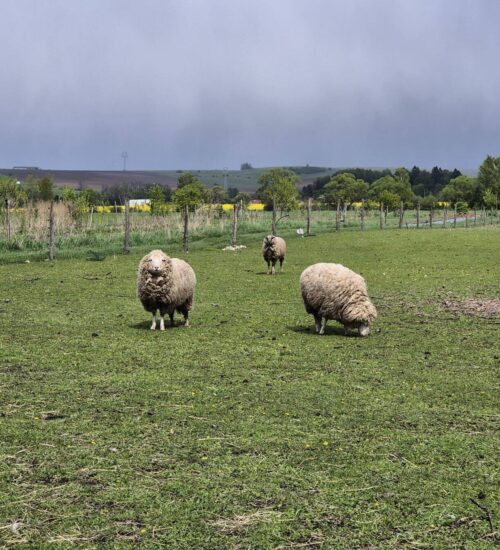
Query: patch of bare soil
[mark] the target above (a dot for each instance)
(478, 307)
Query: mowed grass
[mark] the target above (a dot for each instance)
(248, 430)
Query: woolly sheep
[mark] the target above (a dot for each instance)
(332, 291)
(165, 284)
(273, 249)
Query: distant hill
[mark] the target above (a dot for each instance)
(244, 180)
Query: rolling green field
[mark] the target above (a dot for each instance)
(248, 430)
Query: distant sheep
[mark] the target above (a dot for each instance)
(332, 291)
(165, 284)
(273, 249)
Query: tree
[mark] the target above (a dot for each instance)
(245, 166)
(400, 187)
(46, 189)
(489, 175)
(186, 179)
(218, 194)
(91, 196)
(156, 196)
(345, 188)
(187, 198)
(243, 197)
(277, 187)
(460, 189)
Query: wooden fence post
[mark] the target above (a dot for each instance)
(483, 214)
(401, 214)
(475, 216)
(362, 213)
(431, 216)
(52, 227)
(337, 217)
(9, 226)
(445, 215)
(309, 208)
(418, 214)
(455, 215)
(185, 238)
(381, 215)
(467, 218)
(235, 225)
(126, 237)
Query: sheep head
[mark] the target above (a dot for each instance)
(155, 262)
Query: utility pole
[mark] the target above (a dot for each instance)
(124, 157)
(225, 179)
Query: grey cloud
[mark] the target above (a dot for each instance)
(199, 83)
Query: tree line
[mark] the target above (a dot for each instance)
(410, 187)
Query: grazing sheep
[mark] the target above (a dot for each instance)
(332, 291)
(165, 284)
(273, 249)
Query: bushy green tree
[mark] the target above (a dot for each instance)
(11, 191)
(489, 175)
(396, 185)
(46, 189)
(461, 189)
(187, 178)
(156, 196)
(345, 188)
(189, 196)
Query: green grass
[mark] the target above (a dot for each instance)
(248, 430)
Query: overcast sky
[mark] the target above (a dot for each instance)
(214, 83)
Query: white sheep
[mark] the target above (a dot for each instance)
(165, 284)
(273, 249)
(332, 291)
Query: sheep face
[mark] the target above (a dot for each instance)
(155, 264)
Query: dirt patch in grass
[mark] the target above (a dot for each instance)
(478, 307)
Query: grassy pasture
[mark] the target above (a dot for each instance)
(248, 430)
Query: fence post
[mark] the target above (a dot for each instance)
(185, 238)
(337, 217)
(9, 227)
(467, 218)
(475, 216)
(362, 213)
(401, 214)
(455, 215)
(52, 252)
(418, 214)
(235, 225)
(309, 208)
(431, 216)
(126, 237)
(483, 214)
(445, 216)
(381, 215)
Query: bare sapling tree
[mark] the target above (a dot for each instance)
(52, 232)
(278, 187)
(188, 197)
(126, 223)
(309, 210)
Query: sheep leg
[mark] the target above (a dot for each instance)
(282, 261)
(323, 326)
(317, 320)
(153, 325)
(171, 315)
(162, 321)
(269, 267)
(273, 271)
(185, 311)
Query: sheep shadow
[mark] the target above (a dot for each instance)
(146, 325)
(330, 330)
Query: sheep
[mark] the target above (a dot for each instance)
(273, 249)
(332, 291)
(165, 284)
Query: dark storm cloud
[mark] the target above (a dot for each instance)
(213, 83)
